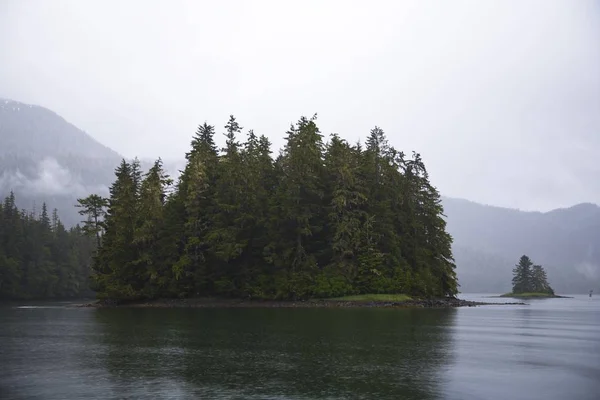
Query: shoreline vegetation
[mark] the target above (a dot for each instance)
(366, 301)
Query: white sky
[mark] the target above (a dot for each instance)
(502, 98)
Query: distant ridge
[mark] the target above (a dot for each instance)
(26, 128)
(45, 158)
(488, 240)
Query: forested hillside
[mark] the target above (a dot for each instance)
(39, 257)
(321, 220)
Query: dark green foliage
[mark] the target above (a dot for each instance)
(39, 258)
(321, 220)
(93, 207)
(530, 278)
(522, 277)
(131, 262)
(148, 230)
(194, 199)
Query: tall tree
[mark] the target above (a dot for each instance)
(522, 276)
(226, 243)
(347, 198)
(116, 274)
(94, 208)
(540, 280)
(149, 228)
(195, 192)
(296, 247)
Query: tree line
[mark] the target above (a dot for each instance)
(39, 257)
(321, 219)
(530, 278)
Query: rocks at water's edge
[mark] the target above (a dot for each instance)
(243, 303)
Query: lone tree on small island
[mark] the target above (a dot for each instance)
(530, 278)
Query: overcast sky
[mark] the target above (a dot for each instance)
(501, 98)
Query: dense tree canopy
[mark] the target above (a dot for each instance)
(39, 258)
(321, 219)
(530, 278)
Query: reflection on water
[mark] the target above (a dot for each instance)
(547, 350)
(288, 353)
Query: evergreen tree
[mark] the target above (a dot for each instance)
(225, 236)
(195, 194)
(383, 259)
(347, 217)
(522, 276)
(147, 233)
(299, 217)
(540, 280)
(117, 275)
(256, 213)
(94, 208)
(431, 244)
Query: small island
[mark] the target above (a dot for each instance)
(530, 281)
(323, 220)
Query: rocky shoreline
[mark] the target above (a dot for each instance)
(243, 303)
(516, 296)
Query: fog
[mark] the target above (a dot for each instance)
(52, 179)
(501, 98)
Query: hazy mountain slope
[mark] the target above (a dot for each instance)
(45, 158)
(489, 240)
(32, 130)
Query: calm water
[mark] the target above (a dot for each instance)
(547, 350)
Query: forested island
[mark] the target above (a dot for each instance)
(530, 281)
(320, 220)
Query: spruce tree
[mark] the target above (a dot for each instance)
(117, 276)
(540, 281)
(94, 208)
(522, 276)
(346, 197)
(195, 192)
(225, 237)
(149, 228)
(299, 218)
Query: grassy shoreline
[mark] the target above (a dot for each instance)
(373, 297)
(533, 296)
(368, 301)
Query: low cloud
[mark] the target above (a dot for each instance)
(51, 179)
(589, 270)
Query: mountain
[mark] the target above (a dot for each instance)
(488, 242)
(45, 158)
